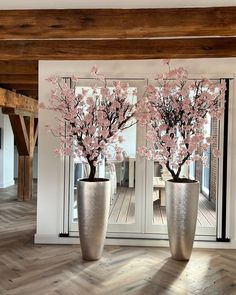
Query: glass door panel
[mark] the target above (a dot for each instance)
(127, 184)
(209, 189)
(138, 186)
(122, 176)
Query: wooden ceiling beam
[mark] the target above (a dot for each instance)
(20, 133)
(18, 112)
(25, 130)
(117, 23)
(18, 78)
(18, 67)
(12, 100)
(113, 49)
(15, 86)
(29, 93)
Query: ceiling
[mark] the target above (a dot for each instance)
(27, 36)
(73, 4)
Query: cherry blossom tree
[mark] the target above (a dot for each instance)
(90, 123)
(174, 110)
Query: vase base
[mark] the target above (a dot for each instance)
(179, 258)
(91, 258)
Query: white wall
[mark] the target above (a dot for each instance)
(49, 169)
(6, 153)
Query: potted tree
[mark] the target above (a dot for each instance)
(89, 126)
(175, 111)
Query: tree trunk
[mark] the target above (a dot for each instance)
(173, 174)
(92, 171)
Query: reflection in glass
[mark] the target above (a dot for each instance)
(206, 175)
(121, 174)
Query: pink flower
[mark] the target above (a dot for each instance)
(174, 111)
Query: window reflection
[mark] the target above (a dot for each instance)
(206, 175)
(121, 174)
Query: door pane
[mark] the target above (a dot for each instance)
(121, 174)
(206, 175)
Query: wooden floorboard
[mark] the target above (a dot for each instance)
(120, 213)
(29, 269)
(131, 211)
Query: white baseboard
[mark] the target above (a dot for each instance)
(54, 239)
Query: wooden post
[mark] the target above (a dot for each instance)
(28, 160)
(25, 131)
(20, 184)
(28, 177)
(25, 178)
(22, 113)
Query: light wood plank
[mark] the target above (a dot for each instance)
(117, 206)
(157, 216)
(122, 217)
(10, 99)
(118, 209)
(26, 268)
(131, 213)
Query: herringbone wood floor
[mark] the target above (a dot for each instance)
(28, 269)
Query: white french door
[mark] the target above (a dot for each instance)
(127, 176)
(137, 206)
(211, 190)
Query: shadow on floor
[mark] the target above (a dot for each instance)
(163, 280)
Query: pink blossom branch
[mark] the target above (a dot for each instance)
(93, 121)
(175, 112)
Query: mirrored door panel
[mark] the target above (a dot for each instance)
(207, 175)
(127, 181)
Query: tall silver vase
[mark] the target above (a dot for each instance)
(181, 212)
(93, 211)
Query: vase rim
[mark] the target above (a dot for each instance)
(96, 180)
(184, 181)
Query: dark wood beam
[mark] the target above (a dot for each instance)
(30, 90)
(25, 132)
(28, 171)
(18, 78)
(29, 93)
(117, 23)
(12, 100)
(20, 112)
(20, 179)
(20, 134)
(14, 86)
(19, 67)
(115, 49)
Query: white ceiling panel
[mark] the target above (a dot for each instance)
(60, 4)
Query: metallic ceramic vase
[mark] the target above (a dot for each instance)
(181, 211)
(93, 211)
